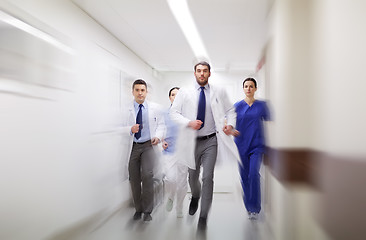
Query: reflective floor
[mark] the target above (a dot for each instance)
(228, 220)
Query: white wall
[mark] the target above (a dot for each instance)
(61, 160)
(340, 73)
(315, 68)
(292, 90)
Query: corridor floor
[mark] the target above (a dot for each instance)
(227, 221)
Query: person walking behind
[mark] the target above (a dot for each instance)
(176, 173)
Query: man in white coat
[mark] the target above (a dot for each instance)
(207, 118)
(144, 125)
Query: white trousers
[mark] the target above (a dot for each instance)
(175, 181)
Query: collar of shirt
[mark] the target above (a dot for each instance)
(136, 105)
(207, 91)
(198, 87)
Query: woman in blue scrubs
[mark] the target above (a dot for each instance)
(176, 173)
(251, 145)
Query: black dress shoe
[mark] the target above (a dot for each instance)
(137, 215)
(202, 223)
(193, 206)
(147, 217)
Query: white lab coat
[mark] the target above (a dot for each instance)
(156, 125)
(184, 110)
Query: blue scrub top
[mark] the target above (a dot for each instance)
(171, 133)
(249, 123)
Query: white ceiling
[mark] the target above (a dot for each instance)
(233, 31)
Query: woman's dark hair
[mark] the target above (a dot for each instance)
(204, 64)
(251, 79)
(139, 81)
(170, 91)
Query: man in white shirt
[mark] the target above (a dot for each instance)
(206, 117)
(144, 125)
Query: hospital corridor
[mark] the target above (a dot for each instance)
(182, 120)
(227, 219)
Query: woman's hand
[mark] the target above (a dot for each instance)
(165, 145)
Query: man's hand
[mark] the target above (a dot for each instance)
(135, 128)
(165, 145)
(229, 130)
(195, 125)
(155, 141)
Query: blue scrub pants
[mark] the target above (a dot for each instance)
(250, 180)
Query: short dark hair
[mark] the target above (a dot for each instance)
(250, 79)
(204, 63)
(170, 91)
(139, 81)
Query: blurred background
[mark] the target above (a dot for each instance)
(66, 70)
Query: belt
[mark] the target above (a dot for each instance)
(142, 142)
(206, 137)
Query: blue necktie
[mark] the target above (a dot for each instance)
(201, 107)
(139, 121)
